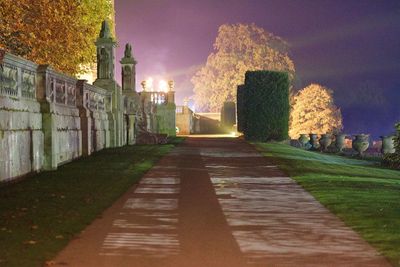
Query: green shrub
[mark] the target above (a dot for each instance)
(266, 106)
(240, 108)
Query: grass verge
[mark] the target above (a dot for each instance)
(40, 215)
(365, 197)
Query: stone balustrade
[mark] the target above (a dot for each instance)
(56, 94)
(94, 104)
(47, 118)
(18, 78)
(21, 133)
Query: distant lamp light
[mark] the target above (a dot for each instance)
(149, 83)
(163, 86)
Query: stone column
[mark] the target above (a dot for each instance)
(86, 118)
(105, 79)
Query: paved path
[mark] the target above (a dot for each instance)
(216, 203)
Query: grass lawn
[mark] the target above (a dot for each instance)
(39, 215)
(364, 196)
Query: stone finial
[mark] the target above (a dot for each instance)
(128, 56)
(144, 85)
(171, 85)
(128, 51)
(105, 31)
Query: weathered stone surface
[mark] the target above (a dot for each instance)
(60, 117)
(21, 138)
(21, 152)
(48, 118)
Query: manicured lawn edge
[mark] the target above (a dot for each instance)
(365, 197)
(41, 214)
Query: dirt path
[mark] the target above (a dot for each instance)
(216, 202)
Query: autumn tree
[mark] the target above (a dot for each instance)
(59, 33)
(314, 111)
(238, 48)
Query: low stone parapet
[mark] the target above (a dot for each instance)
(21, 136)
(94, 104)
(56, 94)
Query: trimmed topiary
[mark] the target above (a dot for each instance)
(266, 106)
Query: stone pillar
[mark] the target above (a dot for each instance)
(86, 118)
(105, 79)
(128, 64)
(105, 53)
(171, 93)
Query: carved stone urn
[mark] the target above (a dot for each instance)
(325, 141)
(314, 142)
(303, 140)
(340, 141)
(387, 144)
(360, 143)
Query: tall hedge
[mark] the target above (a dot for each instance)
(240, 108)
(266, 106)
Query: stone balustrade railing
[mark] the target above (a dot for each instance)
(179, 109)
(96, 98)
(17, 77)
(159, 97)
(44, 120)
(55, 87)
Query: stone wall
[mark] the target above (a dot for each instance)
(184, 120)
(160, 109)
(165, 117)
(47, 118)
(21, 136)
(61, 123)
(94, 106)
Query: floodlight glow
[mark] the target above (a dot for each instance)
(149, 83)
(163, 86)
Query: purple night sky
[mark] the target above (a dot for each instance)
(352, 47)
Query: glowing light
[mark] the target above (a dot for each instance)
(163, 86)
(149, 83)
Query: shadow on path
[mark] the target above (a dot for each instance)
(215, 202)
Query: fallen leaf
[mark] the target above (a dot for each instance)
(59, 237)
(30, 242)
(50, 263)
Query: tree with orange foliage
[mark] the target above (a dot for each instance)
(238, 48)
(314, 111)
(59, 33)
